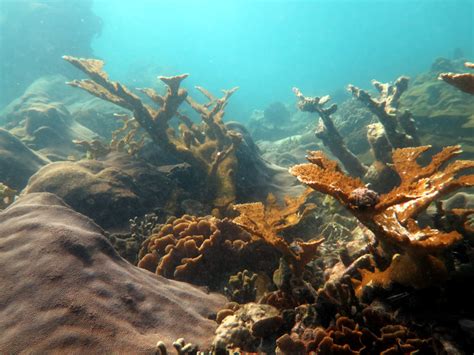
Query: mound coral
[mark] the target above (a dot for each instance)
(464, 82)
(392, 216)
(209, 148)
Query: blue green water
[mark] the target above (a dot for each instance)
(267, 47)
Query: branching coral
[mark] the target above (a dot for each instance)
(399, 127)
(209, 149)
(464, 81)
(268, 222)
(328, 132)
(391, 217)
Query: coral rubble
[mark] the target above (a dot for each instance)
(391, 217)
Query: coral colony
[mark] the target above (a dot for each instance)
(150, 238)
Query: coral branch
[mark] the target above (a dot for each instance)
(328, 133)
(385, 107)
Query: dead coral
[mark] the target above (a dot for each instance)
(204, 251)
(399, 127)
(464, 81)
(328, 132)
(208, 148)
(391, 217)
(268, 222)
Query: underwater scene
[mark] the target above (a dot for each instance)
(237, 177)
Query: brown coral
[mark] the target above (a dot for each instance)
(204, 251)
(208, 148)
(464, 81)
(392, 218)
(348, 337)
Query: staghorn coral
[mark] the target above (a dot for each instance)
(392, 218)
(464, 81)
(209, 148)
(268, 222)
(204, 251)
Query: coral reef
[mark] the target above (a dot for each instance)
(328, 133)
(85, 295)
(391, 216)
(204, 251)
(464, 82)
(209, 149)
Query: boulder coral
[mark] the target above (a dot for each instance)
(65, 289)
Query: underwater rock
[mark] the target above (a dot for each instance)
(110, 191)
(78, 295)
(17, 161)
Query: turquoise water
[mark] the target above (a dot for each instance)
(267, 47)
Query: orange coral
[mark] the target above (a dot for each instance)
(464, 81)
(267, 222)
(391, 217)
